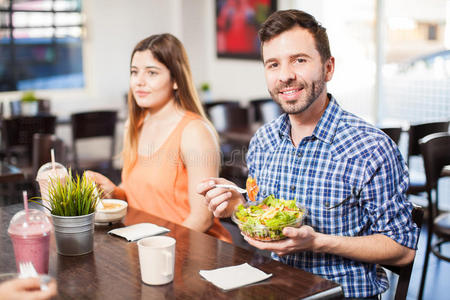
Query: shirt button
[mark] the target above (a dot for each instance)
(299, 154)
(327, 204)
(292, 187)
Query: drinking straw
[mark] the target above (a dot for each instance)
(52, 154)
(25, 201)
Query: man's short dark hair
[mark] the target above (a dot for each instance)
(283, 20)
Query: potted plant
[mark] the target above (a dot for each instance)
(72, 202)
(205, 92)
(29, 103)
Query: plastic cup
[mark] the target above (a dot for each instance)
(46, 174)
(30, 235)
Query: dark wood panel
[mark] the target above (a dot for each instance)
(112, 270)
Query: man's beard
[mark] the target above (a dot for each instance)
(310, 94)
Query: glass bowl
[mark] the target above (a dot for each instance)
(266, 228)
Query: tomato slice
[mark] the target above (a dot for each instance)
(252, 188)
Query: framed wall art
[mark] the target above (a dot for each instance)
(237, 25)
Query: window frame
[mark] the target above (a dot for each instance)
(12, 44)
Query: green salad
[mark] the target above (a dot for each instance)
(266, 220)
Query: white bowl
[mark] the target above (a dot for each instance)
(111, 215)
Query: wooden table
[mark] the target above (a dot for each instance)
(112, 270)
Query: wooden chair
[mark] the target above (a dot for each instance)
(232, 123)
(416, 132)
(18, 133)
(404, 272)
(264, 110)
(44, 106)
(2, 150)
(209, 105)
(436, 154)
(17, 138)
(393, 132)
(42, 144)
(221, 115)
(94, 124)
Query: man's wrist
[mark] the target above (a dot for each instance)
(324, 243)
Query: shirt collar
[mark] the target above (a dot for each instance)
(326, 127)
(284, 126)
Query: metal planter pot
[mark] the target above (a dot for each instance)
(74, 235)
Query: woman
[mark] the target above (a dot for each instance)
(169, 145)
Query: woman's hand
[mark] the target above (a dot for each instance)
(26, 289)
(103, 182)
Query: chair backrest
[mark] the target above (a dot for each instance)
(264, 110)
(436, 154)
(208, 105)
(44, 106)
(393, 132)
(404, 272)
(94, 124)
(1, 116)
(418, 131)
(42, 144)
(227, 116)
(18, 131)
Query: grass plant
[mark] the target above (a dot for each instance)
(75, 196)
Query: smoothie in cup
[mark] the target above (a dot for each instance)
(46, 174)
(30, 234)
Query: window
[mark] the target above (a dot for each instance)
(40, 44)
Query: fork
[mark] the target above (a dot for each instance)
(232, 187)
(27, 270)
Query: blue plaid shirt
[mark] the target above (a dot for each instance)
(351, 178)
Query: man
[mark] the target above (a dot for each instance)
(348, 174)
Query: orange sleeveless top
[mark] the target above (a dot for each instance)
(158, 183)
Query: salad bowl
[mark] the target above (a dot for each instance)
(265, 221)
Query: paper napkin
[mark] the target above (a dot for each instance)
(233, 277)
(138, 231)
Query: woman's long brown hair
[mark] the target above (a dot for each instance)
(169, 51)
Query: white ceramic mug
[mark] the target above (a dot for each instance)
(157, 259)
